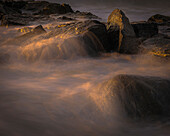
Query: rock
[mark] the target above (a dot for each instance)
(161, 19)
(85, 15)
(38, 30)
(46, 8)
(34, 32)
(145, 29)
(64, 18)
(23, 12)
(118, 25)
(93, 28)
(138, 96)
(25, 29)
(158, 45)
(11, 20)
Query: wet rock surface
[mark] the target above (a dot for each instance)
(126, 41)
(139, 96)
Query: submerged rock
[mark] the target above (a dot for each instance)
(145, 29)
(139, 96)
(121, 33)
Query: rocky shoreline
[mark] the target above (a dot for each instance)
(116, 35)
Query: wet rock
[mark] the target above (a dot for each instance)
(92, 28)
(158, 45)
(138, 96)
(34, 32)
(161, 19)
(126, 41)
(145, 29)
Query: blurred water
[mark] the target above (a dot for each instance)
(51, 95)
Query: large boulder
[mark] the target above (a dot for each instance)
(145, 29)
(161, 19)
(93, 28)
(85, 38)
(158, 45)
(121, 33)
(138, 96)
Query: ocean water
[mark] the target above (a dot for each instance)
(46, 94)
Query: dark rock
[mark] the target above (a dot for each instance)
(11, 20)
(159, 19)
(93, 28)
(46, 8)
(145, 29)
(64, 18)
(118, 25)
(39, 30)
(158, 45)
(139, 97)
(85, 15)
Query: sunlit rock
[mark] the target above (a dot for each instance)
(34, 32)
(121, 33)
(158, 45)
(161, 19)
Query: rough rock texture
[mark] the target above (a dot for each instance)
(158, 45)
(34, 32)
(23, 12)
(118, 23)
(138, 96)
(145, 29)
(92, 28)
(159, 19)
(143, 96)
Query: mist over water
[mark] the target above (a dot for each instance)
(50, 85)
(46, 94)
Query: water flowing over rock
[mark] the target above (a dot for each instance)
(34, 32)
(121, 33)
(139, 97)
